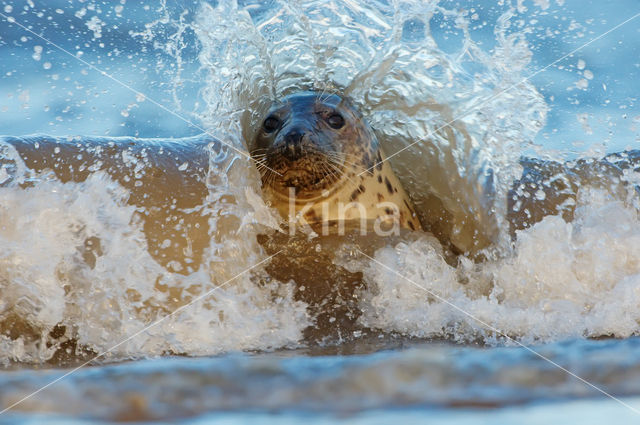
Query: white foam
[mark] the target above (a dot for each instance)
(562, 280)
(46, 280)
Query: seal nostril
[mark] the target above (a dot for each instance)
(290, 151)
(294, 136)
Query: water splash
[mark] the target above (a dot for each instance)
(74, 247)
(78, 271)
(441, 100)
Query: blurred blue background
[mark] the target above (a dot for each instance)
(593, 95)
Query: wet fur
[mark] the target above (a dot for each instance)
(337, 166)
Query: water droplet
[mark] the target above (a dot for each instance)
(37, 53)
(582, 83)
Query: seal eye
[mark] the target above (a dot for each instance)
(271, 124)
(335, 121)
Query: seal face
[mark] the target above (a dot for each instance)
(316, 151)
(308, 139)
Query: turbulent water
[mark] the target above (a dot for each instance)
(130, 248)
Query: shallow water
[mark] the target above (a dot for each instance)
(102, 237)
(399, 381)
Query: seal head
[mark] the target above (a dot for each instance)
(311, 139)
(320, 161)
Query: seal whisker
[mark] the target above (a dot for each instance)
(348, 179)
(336, 168)
(266, 173)
(334, 161)
(261, 164)
(270, 177)
(340, 173)
(339, 157)
(341, 160)
(346, 155)
(266, 177)
(334, 172)
(342, 154)
(325, 172)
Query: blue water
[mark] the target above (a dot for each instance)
(498, 386)
(69, 98)
(593, 109)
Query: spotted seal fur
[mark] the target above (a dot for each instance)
(321, 161)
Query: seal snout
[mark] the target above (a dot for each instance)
(291, 144)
